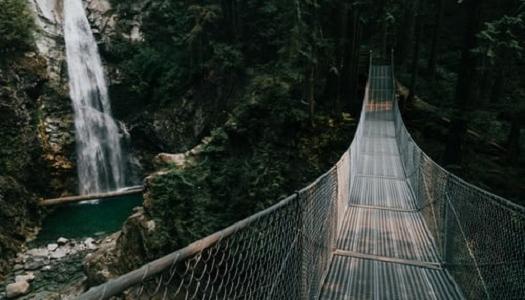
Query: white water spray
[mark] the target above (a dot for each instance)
(100, 161)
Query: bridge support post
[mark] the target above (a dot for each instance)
(445, 242)
(303, 286)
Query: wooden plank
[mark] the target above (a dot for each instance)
(417, 263)
(395, 209)
(381, 176)
(80, 198)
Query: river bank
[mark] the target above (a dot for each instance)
(51, 265)
(52, 271)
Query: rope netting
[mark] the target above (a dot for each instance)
(285, 251)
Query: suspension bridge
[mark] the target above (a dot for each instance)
(386, 222)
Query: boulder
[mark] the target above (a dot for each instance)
(30, 276)
(62, 241)
(180, 160)
(47, 268)
(38, 252)
(52, 247)
(59, 253)
(163, 159)
(100, 266)
(16, 289)
(90, 244)
(20, 258)
(35, 263)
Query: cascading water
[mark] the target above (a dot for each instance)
(100, 161)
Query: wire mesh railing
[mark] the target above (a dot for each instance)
(480, 236)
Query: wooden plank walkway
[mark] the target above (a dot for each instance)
(385, 250)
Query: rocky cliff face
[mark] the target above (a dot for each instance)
(25, 171)
(50, 38)
(107, 22)
(55, 123)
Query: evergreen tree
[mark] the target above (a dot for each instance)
(465, 84)
(16, 27)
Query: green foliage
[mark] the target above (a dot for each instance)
(183, 44)
(16, 27)
(226, 58)
(188, 43)
(265, 151)
(501, 39)
(501, 44)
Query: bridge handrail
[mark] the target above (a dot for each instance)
(495, 198)
(116, 286)
(479, 235)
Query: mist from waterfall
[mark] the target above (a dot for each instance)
(100, 160)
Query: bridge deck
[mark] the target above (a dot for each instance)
(385, 250)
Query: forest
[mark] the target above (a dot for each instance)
(215, 110)
(317, 45)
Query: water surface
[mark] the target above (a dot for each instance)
(76, 221)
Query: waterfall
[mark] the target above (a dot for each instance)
(100, 161)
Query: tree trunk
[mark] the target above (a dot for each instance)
(464, 87)
(457, 130)
(348, 73)
(484, 85)
(385, 37)
(432, 60)
(311, 92)
(341, 54)
(355, 67)
(415, 61)
(497, 87)
(513, 139)
(355, 58)
(237, 27)
(226, 8)
(230, 12)
(406, 33)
